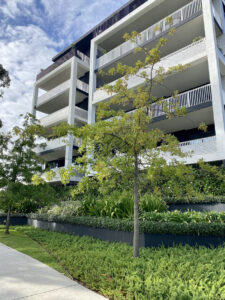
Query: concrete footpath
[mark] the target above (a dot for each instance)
(22, 277)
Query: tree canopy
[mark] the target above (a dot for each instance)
(19, 160)
(4, 79)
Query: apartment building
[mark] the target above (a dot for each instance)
(69, 86)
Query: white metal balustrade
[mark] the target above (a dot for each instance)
(198, 141)
(149, 34)
(205, 148)
(188, 99)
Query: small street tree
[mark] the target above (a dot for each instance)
(18, 161)
(126, 143)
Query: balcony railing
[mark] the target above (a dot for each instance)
(188, 99)
(148, 35)
(198, 141)
(57, 177)
(62, 116)
(200, 149)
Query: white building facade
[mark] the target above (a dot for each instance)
(68, 90)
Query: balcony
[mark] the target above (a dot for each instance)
(81, 116)
(189, 99)
(205, 149)
(194, 54)
(57, 178)
(150, 34)
(59, 94)
(72, 52)
(56, 145)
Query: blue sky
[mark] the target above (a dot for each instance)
(32, 32)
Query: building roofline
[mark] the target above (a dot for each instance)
(92, 30)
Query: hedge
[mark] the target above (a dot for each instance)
(199, 229)
(13, 215)
(196, 200)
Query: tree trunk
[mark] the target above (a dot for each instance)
(7, 221)
(136, 217)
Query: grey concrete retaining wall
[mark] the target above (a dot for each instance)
(14, 220)
(146, 240)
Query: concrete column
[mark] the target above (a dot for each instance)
(214, 71)
(92, 83)
(34, 100)
(71, 114)
(92, 89)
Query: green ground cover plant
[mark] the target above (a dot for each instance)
(177, 273)
(176, 223)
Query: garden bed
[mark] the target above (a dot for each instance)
(159, 273)
(152, 234)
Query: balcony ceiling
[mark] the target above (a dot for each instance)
(56, 77)
(189, 121)
(56, 154)
(60, 102)
(165, 8)
(193, 77)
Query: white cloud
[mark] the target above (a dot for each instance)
(74, 18)
(11, 8)
(23, 52)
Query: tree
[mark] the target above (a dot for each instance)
(18, 161)
(26, 198)
(4, 79)
(125, 144)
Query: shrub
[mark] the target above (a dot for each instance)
(64, 209)
(201, 199)
(118, 204)
(26, 198)
(207, 224)
(186, 217)
(150, 202)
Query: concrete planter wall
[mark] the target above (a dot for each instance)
(146, 240)
(14, 220)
